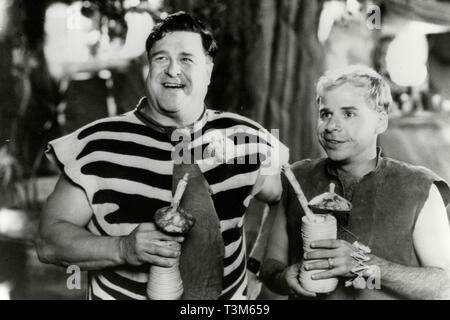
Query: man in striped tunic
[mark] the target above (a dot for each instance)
(116, 172)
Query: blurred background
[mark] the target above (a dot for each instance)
(66, 63)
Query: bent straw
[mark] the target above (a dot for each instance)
(298, 191)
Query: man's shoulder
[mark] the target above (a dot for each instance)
(395, 166)
(402, 171)
(227, 119)
(118, 120)
(107, 124)
(128, 117)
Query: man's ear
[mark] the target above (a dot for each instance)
(383, 122)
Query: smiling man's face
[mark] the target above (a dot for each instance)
(348, 126)
(180, 72)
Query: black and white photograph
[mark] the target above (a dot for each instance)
(215, 150)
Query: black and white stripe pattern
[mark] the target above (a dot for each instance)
(125, 167)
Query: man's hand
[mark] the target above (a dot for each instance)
(146, 244)
(334, 252)
(290, 275)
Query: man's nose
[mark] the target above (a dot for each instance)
(173, 68)
(333, 124)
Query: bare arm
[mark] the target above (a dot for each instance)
(63, 239)
(275, 272)
(431, 239)
(271, 188)
(276, 258)
(268, 181)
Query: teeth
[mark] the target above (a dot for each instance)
(172, 85)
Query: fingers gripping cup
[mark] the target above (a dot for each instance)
(320, 228)
(314, 227)
(166, 283)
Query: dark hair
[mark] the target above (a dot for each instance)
(182, 21)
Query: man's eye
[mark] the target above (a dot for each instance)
(187, 60)
(349, 114)
(160, 59)
(325, 115)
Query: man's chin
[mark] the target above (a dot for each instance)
(171, 109)
(336, 156)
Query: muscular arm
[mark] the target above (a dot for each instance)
(63, 239)
(431, 239)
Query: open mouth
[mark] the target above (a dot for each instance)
(173, 85)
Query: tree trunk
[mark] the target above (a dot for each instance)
(268, 63)
(11, 39)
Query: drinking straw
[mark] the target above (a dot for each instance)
(298, 191)
(179, 191)
(332, 187)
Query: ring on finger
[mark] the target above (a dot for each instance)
(330, 263)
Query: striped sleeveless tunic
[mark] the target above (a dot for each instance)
(124, 164)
